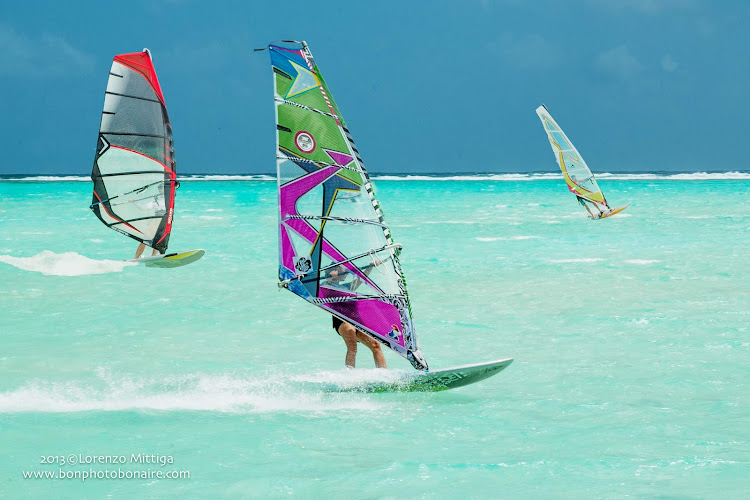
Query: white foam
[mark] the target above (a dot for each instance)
(509, 238)
(451, 222)
(684, 176)
(348, 378)
(65, 264)
(689, 176)
(641, 262)
(197, 392)
(49, 178)
(216, 177)
(709, 176)
(566, 261)
(470, 177)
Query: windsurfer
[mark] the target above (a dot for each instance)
(599, 213)
(346, 330)
(149, 204)
(142, 247)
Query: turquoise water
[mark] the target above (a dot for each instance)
(630, 339)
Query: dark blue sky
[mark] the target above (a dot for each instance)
(425, 86)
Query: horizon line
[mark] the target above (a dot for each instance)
(440, 174)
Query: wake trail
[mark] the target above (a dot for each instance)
(224, 392)
(65, 264)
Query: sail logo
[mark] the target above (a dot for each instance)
(303, 265)
(105, 145)
(304, 141)
(395, 333)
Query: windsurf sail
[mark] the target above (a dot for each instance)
(335, 248)
(576, 173)
(134, 168)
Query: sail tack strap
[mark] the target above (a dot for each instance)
(308, 108)
(331, 266)
(317, 163)
(339, 219)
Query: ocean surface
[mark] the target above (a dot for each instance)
(631, 340)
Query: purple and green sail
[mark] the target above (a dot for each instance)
(335, 249)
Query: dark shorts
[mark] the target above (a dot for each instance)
(336, 323)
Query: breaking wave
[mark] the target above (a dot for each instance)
(539, 176)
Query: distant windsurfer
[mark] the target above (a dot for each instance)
(599, 213)
(347, 331)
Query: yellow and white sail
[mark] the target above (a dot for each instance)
(578, 177)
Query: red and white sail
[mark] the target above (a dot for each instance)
(134, 169)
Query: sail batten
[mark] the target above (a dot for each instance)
(134, 171)
(133, 97)
(308, 108)
(335, 248)
(349, 259)
(319, 164)
(134, 133)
